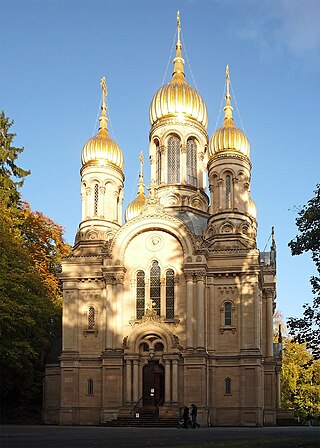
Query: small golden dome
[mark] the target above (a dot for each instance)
(101, 149)
(228, 137)
(135, 207)
(252, 209)
(177, 98)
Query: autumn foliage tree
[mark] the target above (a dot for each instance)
(31, 247)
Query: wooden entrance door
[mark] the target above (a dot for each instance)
(153, 384)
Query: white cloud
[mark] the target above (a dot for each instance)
(300, 26)
(284, 25)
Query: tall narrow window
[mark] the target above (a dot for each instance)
(227, 313)
(141, 295)
(173, 159)
(96, 199)
(228, 191)
(158, 164)
(192, 162)
(155, 287)
(91, 318)
(169, 294)
(227, 384)
(90, 386)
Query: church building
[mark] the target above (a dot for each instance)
(174, 305)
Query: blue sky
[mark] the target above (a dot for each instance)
(54, 53)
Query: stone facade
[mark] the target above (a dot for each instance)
(176, 305)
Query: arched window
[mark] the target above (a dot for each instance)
(173, 159)
(155, 292)
(96, 199)
(158, 347)
(90, 386)
(169, 294)
(158, 163)
(192, 162)
(228, 313)
(228, 191)
(91, 318)
(227, 386)
(140, 294)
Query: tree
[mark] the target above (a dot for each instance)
(43, 239)
(31, 247)
(300, 380)
(25, 316)
(11, 176)
(307, 329)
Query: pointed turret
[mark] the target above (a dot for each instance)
(228, 137)
(101, 181)
(135, 207)
(178, 100)
(229, 170)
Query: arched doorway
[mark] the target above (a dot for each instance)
(153, 384)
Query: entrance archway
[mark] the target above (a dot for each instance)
(153, 384)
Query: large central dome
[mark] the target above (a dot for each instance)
(178, 99)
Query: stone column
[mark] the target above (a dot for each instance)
(115, 196)
(220, 195)
(235, 194)
(109, 312)
(89, 210)
(163, 304)
(135, 392)
(120, 203)
(278, 387)
(183, 165)
(167, 380)
(128, 380)
(175, 381)
(119, 310)
(200, 276)
(162, 171)
(211, 189)
(269, 322)
(189, 280)
(164, 163)
(101, 206)
(200, 173)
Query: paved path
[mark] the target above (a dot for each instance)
(102, 437)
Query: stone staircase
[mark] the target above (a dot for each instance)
(146, 417)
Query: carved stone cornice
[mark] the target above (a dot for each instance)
(200, 275)
(119, 278)
(269, 292)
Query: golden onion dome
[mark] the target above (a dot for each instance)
(102, 149)
(177, 98)
(252, 209)
(229, 137)
(135, 207)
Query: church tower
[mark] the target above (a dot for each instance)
(232, 210)
(102, 181)
(175, 306)
(179, 141)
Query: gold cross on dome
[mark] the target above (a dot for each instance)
(103, 85)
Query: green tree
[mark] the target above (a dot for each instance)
(300, 380)
(307, 328)
(31, 247)
(11, 176)
(25, 316)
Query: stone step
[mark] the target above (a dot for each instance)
(151, 422)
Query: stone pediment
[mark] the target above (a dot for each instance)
(151, 323)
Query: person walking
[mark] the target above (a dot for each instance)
(194, 412)
(185, 417)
